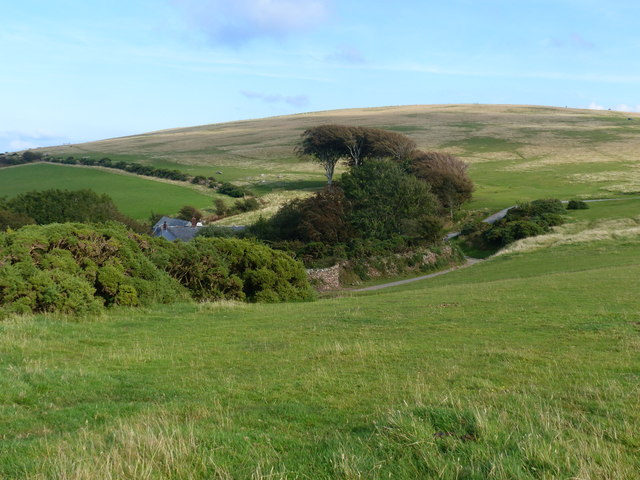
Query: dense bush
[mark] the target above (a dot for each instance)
(10, 219)
(212, 231)
(188, 212)
(385, 201)
(577, 205)
(232, 190)
(527, 219)
(78, 268)
(503, 233)
(535, 208)
(216, 268)
(320, 218)
(239, 206)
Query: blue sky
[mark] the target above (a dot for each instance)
(80, 70)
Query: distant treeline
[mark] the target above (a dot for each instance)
(29, 156)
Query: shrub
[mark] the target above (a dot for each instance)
(232, 190)
(535, 208)
(212, 231)
(577, 205)
(503, 233)
(75, 268)
(188, 212)
(382, 196)
(216, 268)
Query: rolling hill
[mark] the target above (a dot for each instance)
(515, 152)
(524, 366)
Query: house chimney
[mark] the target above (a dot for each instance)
(194, 221)
(164, 226)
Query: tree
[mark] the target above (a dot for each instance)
(447, 176)
(386, 144)
(355, 144)
(385, 201)
(323, 144)
(188, 212)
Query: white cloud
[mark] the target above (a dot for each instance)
(11, 141)
(595, 106)
(619, 108)
(347, 54)
(627, 108)
(239, 21)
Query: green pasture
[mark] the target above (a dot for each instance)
(134, 196)
(499, 184)
(525, 366)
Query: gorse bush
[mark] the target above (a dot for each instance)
(577, 205)
(224, 268)
(77, 268)
(232, 190)
(527, 219)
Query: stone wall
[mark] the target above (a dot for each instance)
(324, 279)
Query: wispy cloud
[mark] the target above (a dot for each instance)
(239, 21)
(573, 40)
(618, 108)
(11, 141)
(347, 54)
(295, 100)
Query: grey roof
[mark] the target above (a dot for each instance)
(171, 222)
(176, 229)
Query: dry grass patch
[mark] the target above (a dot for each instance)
(579, 232)
(271, 203)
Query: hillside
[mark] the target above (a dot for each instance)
(511, 369)
(512, 149)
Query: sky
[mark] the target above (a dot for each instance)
(79, 70)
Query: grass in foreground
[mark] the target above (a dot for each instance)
(523, 367)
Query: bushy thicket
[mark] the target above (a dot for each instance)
(239, 206)
(527, 219)
(218, 268)
(232, 190)
(78, 268)
(577, 205)
(377, 209)
(376, 201)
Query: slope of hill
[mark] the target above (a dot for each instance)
(134, 196)
(522, 367)
(512, 149)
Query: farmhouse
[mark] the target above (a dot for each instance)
(176, 229)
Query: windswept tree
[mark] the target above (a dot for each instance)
(447, 176)
(392, 145)
(355, 144)
(323, 144)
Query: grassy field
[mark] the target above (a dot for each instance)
(525, 366)
(134, 196)
(516, 152)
